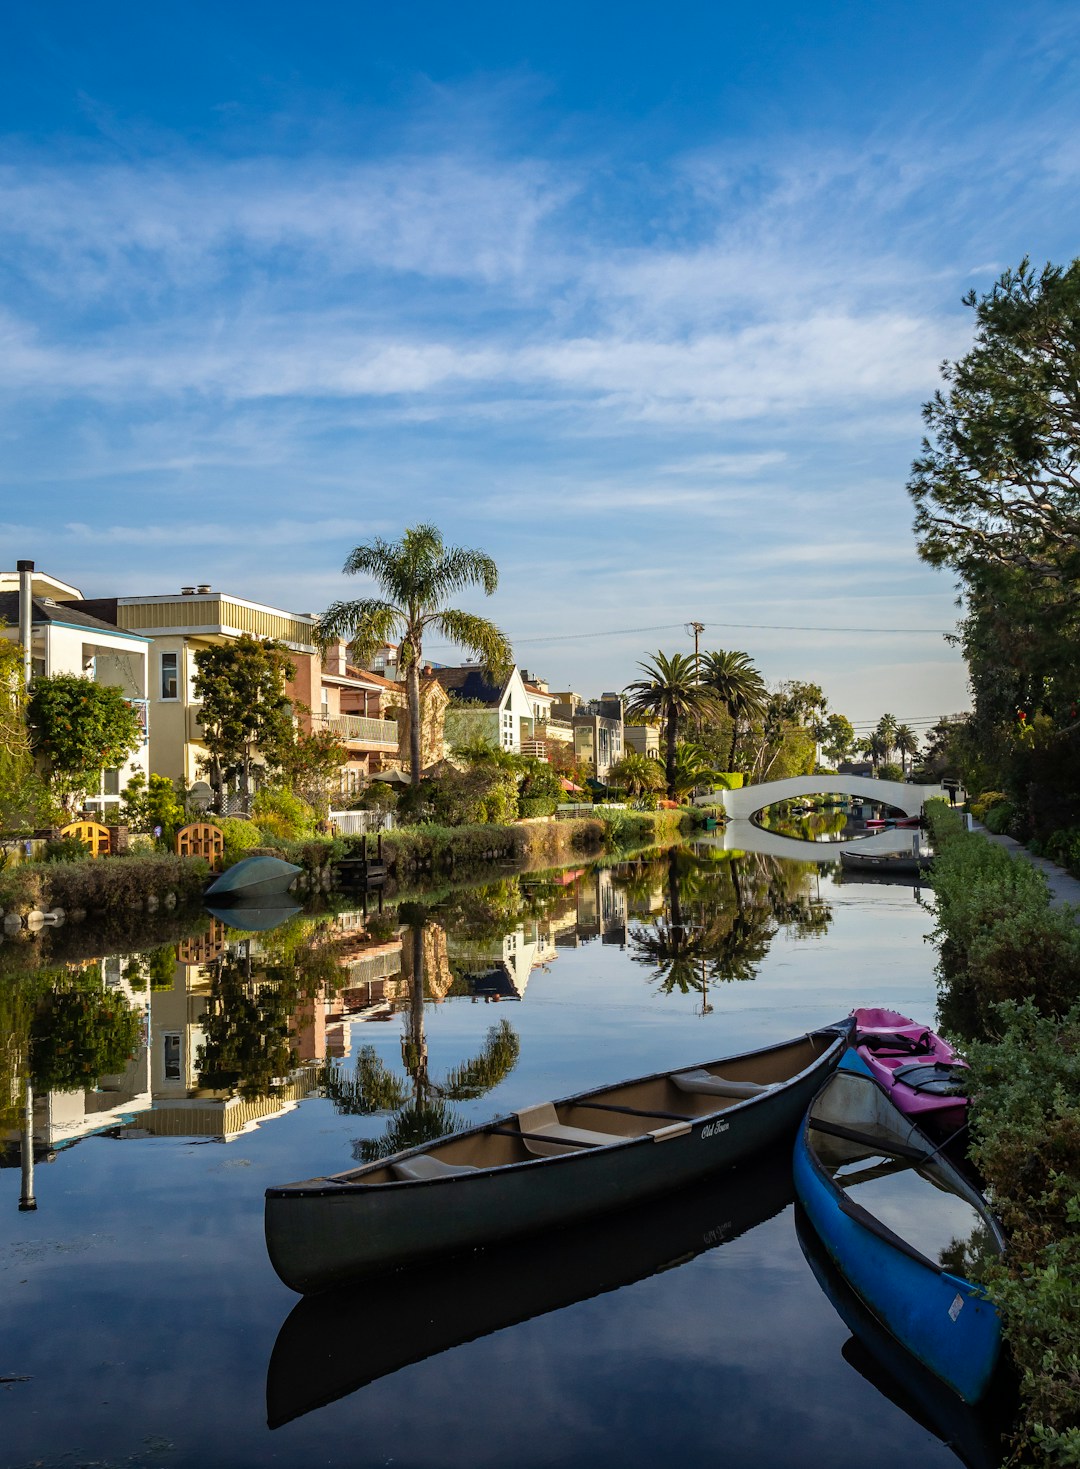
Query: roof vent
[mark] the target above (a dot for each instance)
(204, 586)
(187, 591)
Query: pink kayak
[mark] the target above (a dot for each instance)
(923, 1075)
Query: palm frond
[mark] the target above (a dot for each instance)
(363, 624)
(476, 635)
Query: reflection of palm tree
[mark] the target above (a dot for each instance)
(427, 1114)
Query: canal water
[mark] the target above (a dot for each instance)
(142, 1324)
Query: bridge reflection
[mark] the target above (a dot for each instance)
(745, 836)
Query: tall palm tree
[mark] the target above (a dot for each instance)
(886, 732)
(672, 690)
(415, 576)
(906, 743)
(738, 686)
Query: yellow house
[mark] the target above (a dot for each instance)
(180, 624)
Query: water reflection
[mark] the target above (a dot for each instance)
(334, 1344)
(233, 1024)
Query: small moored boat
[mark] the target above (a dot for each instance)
(907, 1231)
(253, 879)
(889, 864)
(546, 1165)
(925, 1077)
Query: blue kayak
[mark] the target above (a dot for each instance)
(905, 1229)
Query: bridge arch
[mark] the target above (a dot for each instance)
(745, 803)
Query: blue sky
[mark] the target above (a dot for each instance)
(643, 299)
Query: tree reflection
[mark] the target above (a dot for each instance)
(718, 917)
(427, 1113)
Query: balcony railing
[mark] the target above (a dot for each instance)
(355, 729)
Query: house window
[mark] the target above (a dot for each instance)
(110, 782)
(170, 675)
(171, 1053)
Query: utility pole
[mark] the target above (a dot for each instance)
(697, 628)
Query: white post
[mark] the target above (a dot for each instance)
(26, 616)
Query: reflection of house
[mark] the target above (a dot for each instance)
(66, 638)
(504, 975)
(601, 912)
(478, 709)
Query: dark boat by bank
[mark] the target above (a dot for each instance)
(545, 1166)
(975, 1434)
(253, 880)
(882, 1198)
(336, 1343)
(887, 864)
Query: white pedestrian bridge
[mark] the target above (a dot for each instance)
(742, 834)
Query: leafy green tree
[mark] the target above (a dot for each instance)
(146, 804)
(244, 709)
(671, 690)
(839, 740)
(738, 687)
(80, 728)
(415, 576)
(311, 763)
(996, 484)
(693, 768)
(24, 801)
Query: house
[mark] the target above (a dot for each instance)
(328, 694)
(597, 729)
(502, 714)
(65, 638)
(644, 738)
(180, 624)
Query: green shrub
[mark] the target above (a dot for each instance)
(538, 805)
(1063, 847)
(240, 836)
(66, 849)
(282, 814)
(986, 802)
(1000, 819)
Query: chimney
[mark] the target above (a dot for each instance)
(203, 587)
(26, 615)
(187, 591)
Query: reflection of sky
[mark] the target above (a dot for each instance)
(912, 1207)
(140, 1300)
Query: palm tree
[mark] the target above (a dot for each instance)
(672, 690)
(886, 732)
(693, 767)
(415, 576)
(636, 774)
(906, 743)
(874, 746)
(738, 686)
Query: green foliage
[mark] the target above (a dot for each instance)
(280, 813)
(672, 691)
(65, 849)
(986, 802)
(1001, 819)
(240, 837)
(474, 1078)
(637, 774)
(244, 709)
(540, 790)
(80, 728)
(80, 1032)
(1010, 966)
(310, 764)
(246, 1045)
(891, 771)
(25, 802)
(158, 803)
(373, 1087)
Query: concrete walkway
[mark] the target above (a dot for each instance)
(1064, 888)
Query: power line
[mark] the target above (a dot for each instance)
(753, 626)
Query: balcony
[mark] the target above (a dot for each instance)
(354, 729)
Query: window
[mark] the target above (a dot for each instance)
(170, 675)
(110, 782)
(171, 1045)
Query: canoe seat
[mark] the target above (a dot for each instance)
(718, 1086)
(420, 1168)
(549, 1136)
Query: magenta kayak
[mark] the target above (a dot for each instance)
(922, 1073)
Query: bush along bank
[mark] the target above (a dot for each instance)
(1009, 968)
(100, 886)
